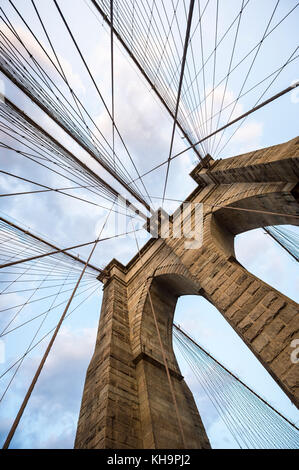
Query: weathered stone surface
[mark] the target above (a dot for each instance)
(127, 400)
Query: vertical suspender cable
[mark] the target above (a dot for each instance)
(112, 80)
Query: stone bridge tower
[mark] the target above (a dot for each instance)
(127, 400)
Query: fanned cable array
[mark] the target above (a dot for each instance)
(250, 419)
(153, 34)
(36, 281)
(21, 135)
(203, 83)
(286, 237)
(34, 66)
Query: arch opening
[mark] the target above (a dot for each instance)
(205, 323)
(263, 257)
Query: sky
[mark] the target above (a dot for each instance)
(51, 416)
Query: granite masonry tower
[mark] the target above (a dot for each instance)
(128, 401)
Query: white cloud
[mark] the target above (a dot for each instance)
(262, 256)
(249, 133)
